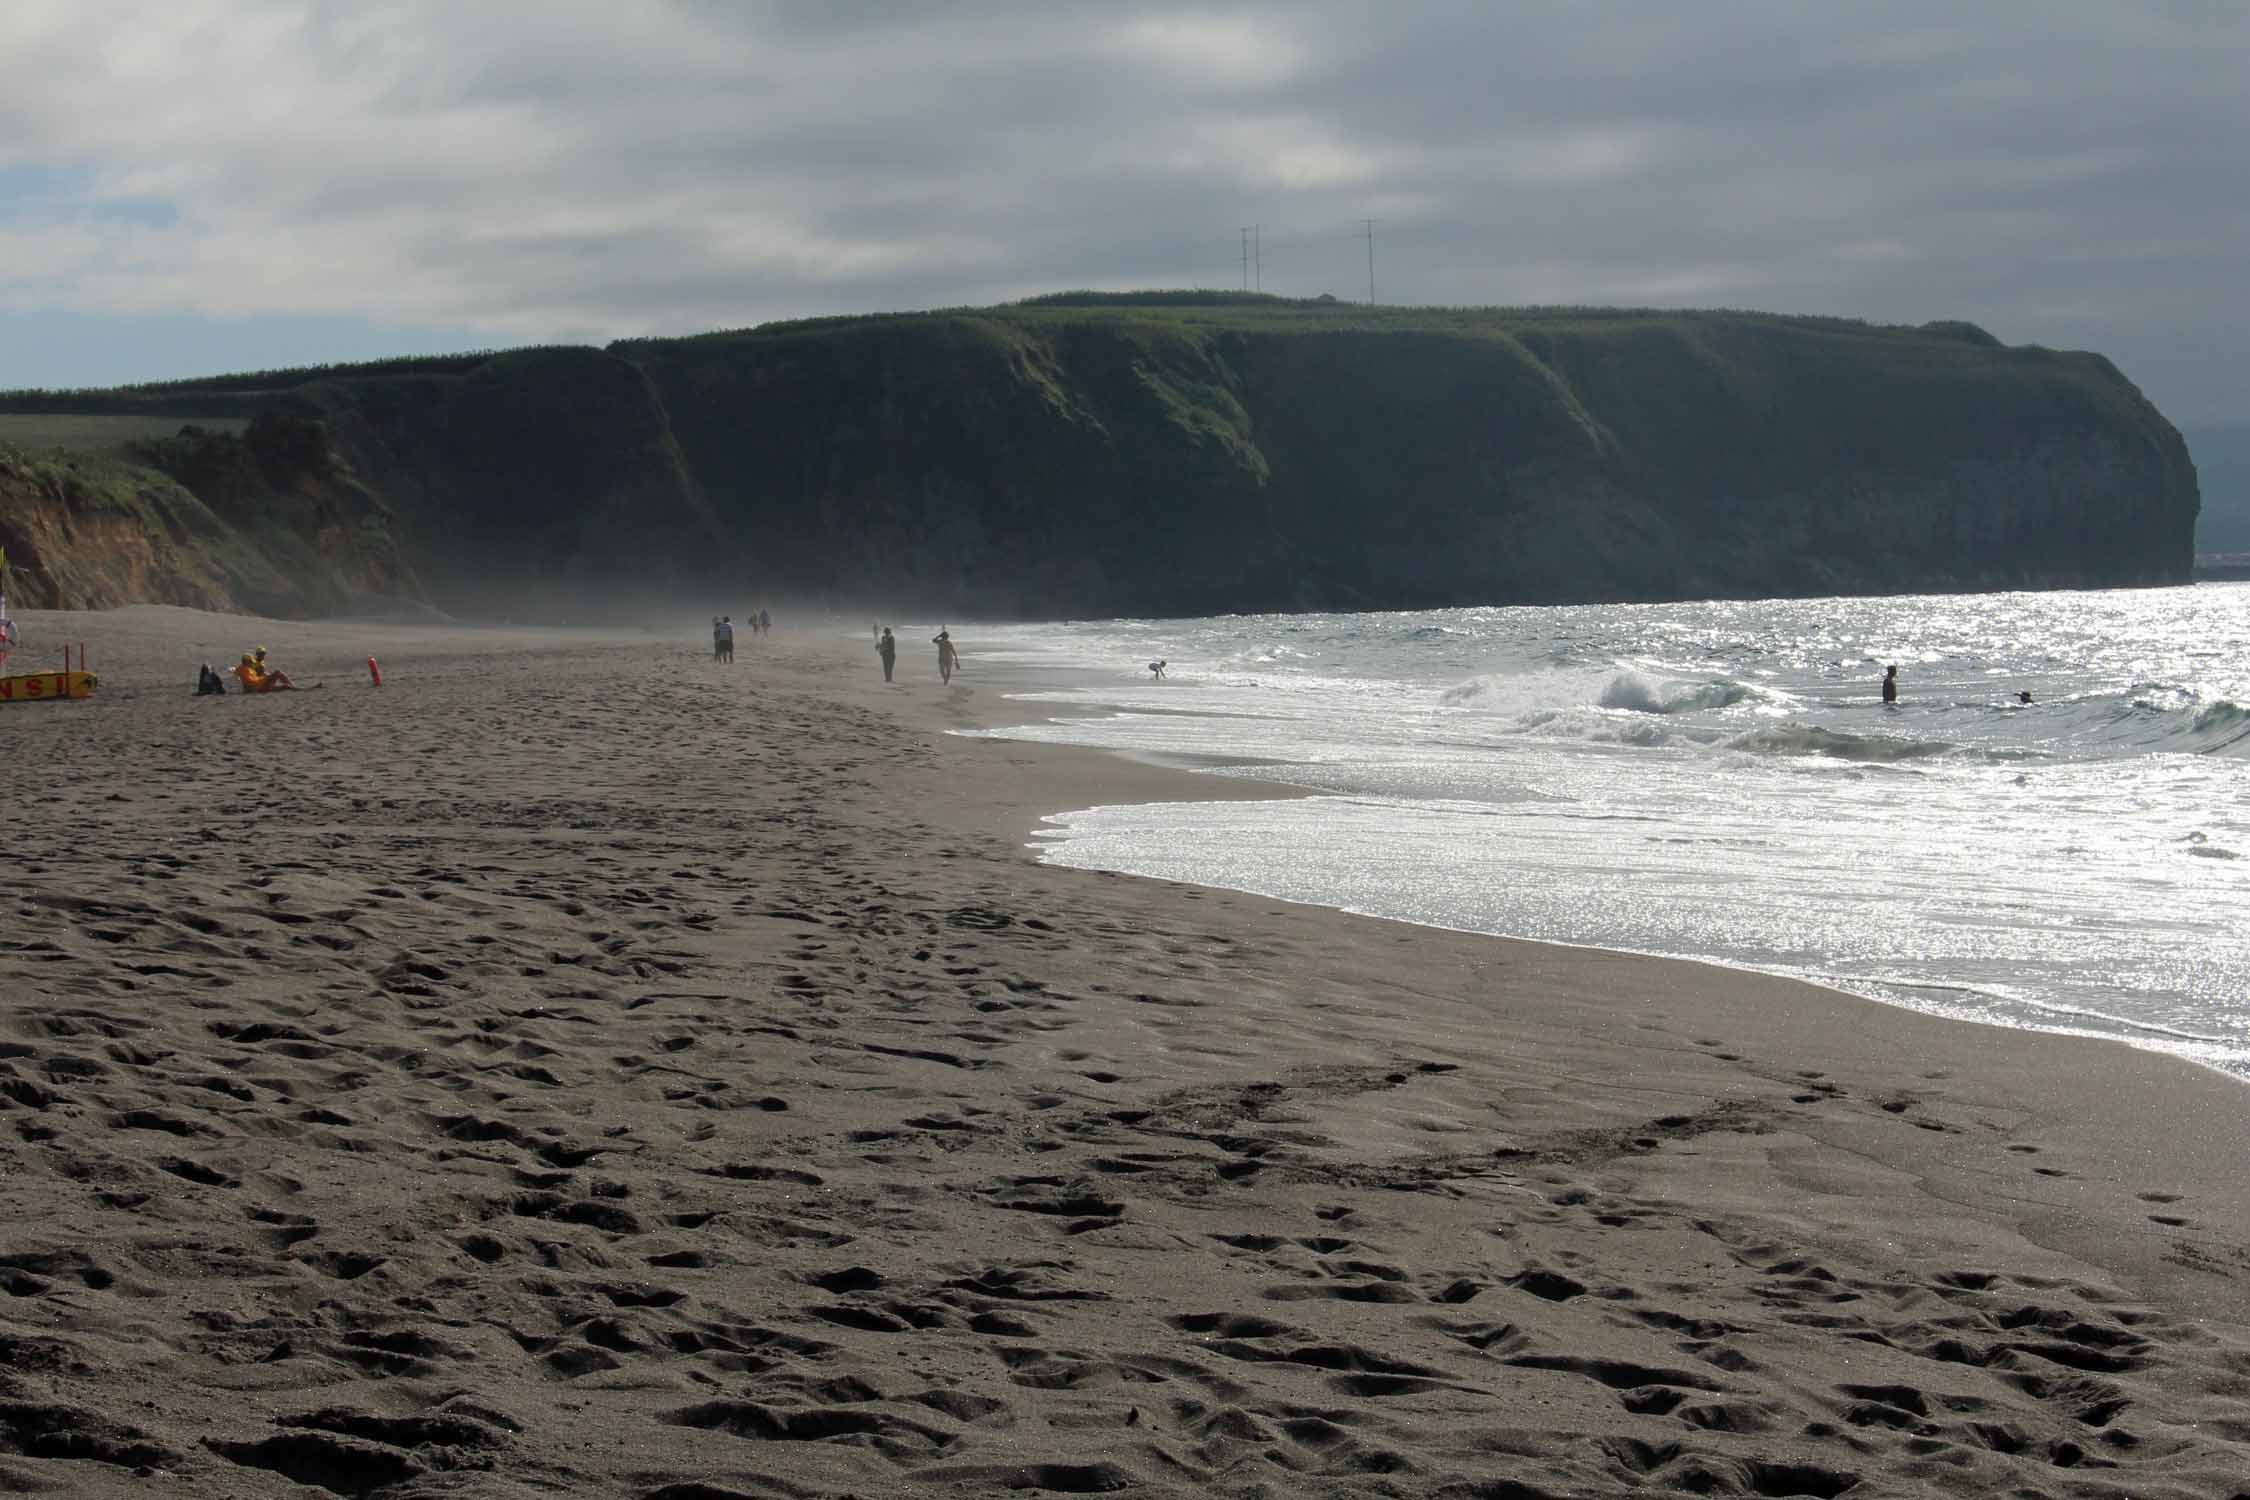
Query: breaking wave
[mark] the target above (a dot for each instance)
(1629, 689)
(1867, 749)
(1647, 694)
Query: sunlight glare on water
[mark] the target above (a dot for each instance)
(1719, 780)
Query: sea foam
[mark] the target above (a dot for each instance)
(1721, 780)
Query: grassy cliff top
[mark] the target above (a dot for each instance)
(95, 432)
(1204, 313)
(1254, 312)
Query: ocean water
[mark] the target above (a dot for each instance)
(1720, 781)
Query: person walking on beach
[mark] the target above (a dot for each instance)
(887, 648)
(765, 623)
(1890, 684)
(947, 657)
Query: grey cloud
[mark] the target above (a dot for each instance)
(2066, 172)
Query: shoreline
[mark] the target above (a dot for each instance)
(2148, 1069)
(1019, 678)
(646, 1073)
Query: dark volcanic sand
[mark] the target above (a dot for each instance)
(581, 1069)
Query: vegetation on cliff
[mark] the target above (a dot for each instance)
(1088, 454)
(1156, 453)
(261, 520)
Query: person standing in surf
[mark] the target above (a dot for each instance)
(947, 657)
(1890, 684)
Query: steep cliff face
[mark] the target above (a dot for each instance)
(1091, 463)
(1066, 459)
(265, 522)
(1771, 456)
(977, 465)
(531, 476)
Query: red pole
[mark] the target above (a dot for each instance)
(374, 671)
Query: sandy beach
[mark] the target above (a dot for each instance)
(580, 1068)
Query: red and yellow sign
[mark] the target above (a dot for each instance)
(42, 687)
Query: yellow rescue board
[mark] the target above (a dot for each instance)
(45, 687)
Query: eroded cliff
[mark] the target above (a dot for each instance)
(265, 520)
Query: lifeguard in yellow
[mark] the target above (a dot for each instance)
(258, 677)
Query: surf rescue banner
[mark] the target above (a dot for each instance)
(40, 687)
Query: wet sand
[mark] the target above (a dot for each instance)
(578, 1068)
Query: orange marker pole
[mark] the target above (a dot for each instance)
(374, 672)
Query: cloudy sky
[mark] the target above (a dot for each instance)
(204, 185)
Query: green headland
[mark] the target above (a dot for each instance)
(1145, 454)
